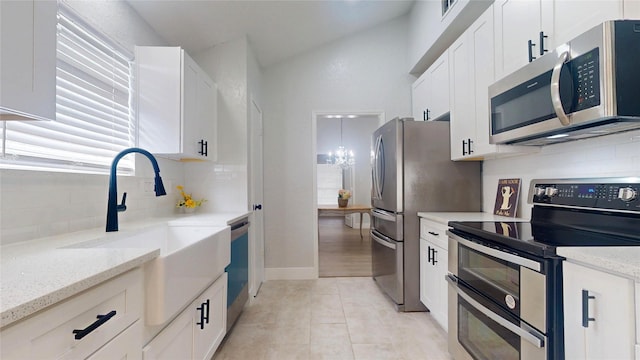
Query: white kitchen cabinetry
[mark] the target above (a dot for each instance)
(28, 59)
(599, 314)
(433, 269)
(177, 104)
(544, 24)
(471, 61)
(105, 315)
(430, 93)
(197, 332)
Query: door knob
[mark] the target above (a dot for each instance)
(257, 207)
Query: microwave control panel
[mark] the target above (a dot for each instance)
(614, 196)
(585, 71)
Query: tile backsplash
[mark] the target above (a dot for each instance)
(35, 204)
(607, 156)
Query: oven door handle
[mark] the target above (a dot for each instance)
(531, 264)
(531, 336)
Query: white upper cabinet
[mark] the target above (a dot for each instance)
(527, 29)
(177, 105)
(471, 60)
(517, 22)
(28, 60)
(430, 93)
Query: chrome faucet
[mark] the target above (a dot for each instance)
(112, 204)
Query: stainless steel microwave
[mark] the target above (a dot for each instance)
(589, 86)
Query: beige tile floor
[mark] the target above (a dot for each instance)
(330, 318)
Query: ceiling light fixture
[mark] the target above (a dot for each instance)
(342, 158)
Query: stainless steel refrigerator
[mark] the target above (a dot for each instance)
(412, 172)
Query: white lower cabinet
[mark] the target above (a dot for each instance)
(433, 269)
(124, 346)
(198, 331)
(105, 315)
(599, 314)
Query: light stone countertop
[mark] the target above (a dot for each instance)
(445, 217)
(621, 260)
(39, 273)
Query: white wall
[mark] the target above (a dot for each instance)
(35, 204)
(365, 72)
(612, 155)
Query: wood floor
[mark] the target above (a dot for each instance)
(341, 251)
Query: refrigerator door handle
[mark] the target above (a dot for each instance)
(377, 172)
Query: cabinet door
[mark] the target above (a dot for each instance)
(419, 97)
(441, 260)
(611, 333)
(563, 20)
(426, 275)
(207, 109)
(173, 342)
(28, 57)
(480, 36)
(210, 319)
(462, 117)
(438, 99)
(516, 22)
(190, 112)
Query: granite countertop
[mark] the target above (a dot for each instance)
(38, 273)
(624, 261)
(445, 217)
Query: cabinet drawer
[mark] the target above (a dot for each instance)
(434, 232)
(50, 333)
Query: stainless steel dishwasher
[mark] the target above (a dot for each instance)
(238, 270)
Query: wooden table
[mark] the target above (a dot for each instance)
(335, 210)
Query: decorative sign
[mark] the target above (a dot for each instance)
(507, 197)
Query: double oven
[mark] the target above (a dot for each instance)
(505, 278)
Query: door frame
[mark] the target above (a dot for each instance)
(315, 114)
(256, 246)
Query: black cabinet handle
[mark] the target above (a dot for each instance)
(464, 147)
(531, 45)
(204, 147)
(79, 334)
(542, 37)
(433, 257)
(433, 233)
(429, 254)
(469, 145)
(204, 314)
(585, 308)
(425, 115)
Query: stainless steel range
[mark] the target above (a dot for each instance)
(505, 293)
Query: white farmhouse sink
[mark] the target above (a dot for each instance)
(191, 257)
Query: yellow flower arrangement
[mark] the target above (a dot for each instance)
(187, 200)
(344, 194)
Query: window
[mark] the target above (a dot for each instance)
(446, 5)
(94, 119)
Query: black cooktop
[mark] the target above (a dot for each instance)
(552, 228)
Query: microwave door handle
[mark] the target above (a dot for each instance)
(555, 89)
(534, 338)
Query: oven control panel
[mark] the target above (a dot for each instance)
(610, 195)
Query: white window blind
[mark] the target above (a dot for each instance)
(94, 118)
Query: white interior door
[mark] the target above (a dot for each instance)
(256, 230)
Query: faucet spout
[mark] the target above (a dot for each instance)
(112, 202)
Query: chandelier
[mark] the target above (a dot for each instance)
(342, 158)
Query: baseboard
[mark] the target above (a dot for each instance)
(299, 273)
